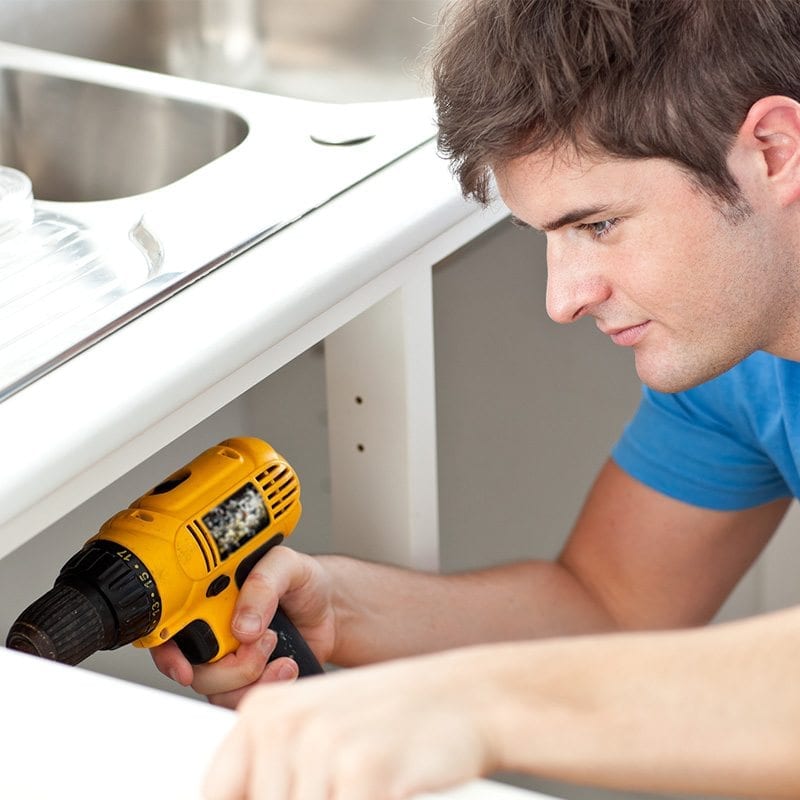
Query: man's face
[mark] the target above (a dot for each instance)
(659, 264)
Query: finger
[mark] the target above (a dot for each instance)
(236, 670)
(359, 772)
(270, 733)
(309, 761)
(280, 670)
(277, 573)
(269, 777)
(229, 700)
(170, 661)
(227, 776)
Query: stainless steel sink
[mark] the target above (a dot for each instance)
(136, 142)
(328, 50)
(238, 118)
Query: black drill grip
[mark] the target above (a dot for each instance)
(199, 644)
(292, 644)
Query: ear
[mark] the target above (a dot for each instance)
(770, 134)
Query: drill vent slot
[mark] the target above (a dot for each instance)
(203, 544)
(281, 487)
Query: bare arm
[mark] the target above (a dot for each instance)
(655, 562)
(712, 711)
(636, 559)
(384, 612)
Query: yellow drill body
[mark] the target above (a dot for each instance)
(171, 565)
(188, 536)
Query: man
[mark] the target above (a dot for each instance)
(657, 144)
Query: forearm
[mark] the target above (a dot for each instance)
(713, 711)
(386, 612)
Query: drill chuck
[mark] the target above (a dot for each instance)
(62, 625)
(99, 602)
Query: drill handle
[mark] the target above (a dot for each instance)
(292, 644)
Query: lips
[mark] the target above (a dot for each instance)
(629, 336)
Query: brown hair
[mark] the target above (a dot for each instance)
(667, 79)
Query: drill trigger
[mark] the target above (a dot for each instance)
(197, 642)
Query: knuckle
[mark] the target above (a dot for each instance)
(225, 699)
(258, 577)
(252, 670)
(258, 584)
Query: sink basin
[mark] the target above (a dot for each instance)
(326, 50)
(137, 142)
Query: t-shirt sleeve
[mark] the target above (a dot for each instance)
(679, 445)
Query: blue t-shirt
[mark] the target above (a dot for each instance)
(731, 443)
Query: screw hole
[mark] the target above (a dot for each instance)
(360, 448)
(359, 399)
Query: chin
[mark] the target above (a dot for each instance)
(677, 377)
(669, 385)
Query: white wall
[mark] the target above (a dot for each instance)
(544, 402)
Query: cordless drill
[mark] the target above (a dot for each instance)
(171, 565)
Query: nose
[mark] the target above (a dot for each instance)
(574, 287)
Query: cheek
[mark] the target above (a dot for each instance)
(683, 266)
(653, 275)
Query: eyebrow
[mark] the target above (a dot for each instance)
(569, 218)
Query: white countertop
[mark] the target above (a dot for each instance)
(74, 431)
(70, 733)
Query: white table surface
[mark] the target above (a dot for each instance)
(71, 733)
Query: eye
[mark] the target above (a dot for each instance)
(599, 229)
